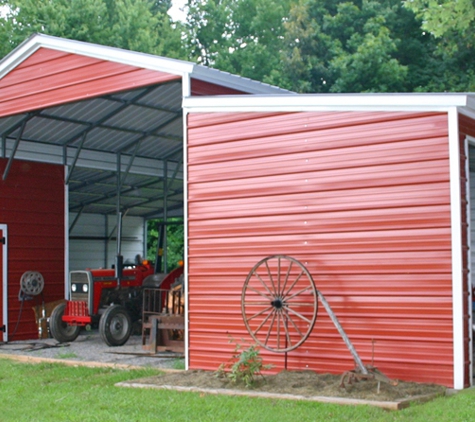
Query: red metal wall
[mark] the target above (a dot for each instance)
(50, 77)
(32, 205)
(361, 198)
(205, 88)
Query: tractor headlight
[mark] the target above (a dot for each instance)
(85, 288)
(74, 287)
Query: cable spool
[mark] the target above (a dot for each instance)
(32, 283)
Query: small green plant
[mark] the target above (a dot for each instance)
(244, 366)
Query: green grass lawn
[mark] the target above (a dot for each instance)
(55, 392)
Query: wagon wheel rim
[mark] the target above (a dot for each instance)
(279, 303)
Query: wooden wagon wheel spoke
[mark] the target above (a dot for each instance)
(270, 277)
(262, 282)
(285, 318)
(299, 315)
(260, 313)
(294, 283)
(293, 324)
(270, 328)
(259, 293)
(286, 278)
(297, 294)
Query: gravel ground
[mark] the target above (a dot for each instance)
(89, 347)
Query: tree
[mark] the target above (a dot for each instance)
(441, 17)
(238, 36)
(354, 46)
(175, 235)
(140, 25)
(452, 23)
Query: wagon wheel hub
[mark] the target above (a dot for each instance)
(278, 303)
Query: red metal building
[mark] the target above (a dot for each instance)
(370, 192)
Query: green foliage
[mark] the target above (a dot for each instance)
(244, 366)
(238, 36)
(140, 25)
(352, 46)
(444, 16)
(175, 241)
(453, 25)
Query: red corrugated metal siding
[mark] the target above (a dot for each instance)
(205, 88)
(32, 206)
(362, 199)
(49, 77)
(466, 127)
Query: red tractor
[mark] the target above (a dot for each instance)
(99, 297)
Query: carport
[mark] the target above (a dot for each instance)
(108, 124)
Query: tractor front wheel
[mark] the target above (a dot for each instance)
(61, 331)
(115, 325)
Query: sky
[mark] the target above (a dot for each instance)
(175, 12)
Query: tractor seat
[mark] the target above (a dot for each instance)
(153, 280)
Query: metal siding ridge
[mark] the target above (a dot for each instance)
(80, 91)
(406, 196)
(40, 70)
(280, 126)
(457, 259)
(350, 157)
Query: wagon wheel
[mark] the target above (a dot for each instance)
(279, 303)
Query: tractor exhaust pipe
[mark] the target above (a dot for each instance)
(119, 259)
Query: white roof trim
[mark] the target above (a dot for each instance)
(147, 61)
(330, 102)
(132, 58)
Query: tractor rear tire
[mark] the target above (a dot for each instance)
(115, 326)
(61, 331)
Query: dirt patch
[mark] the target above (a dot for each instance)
(300, 383)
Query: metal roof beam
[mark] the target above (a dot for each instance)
(173, 178)
(7, 132)
(156, 213)
(155, 198)
(75, 160)
(15, 146)
(90, 182)
(108, 116)
(71, 227)
(111, 195)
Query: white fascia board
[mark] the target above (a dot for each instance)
(239, 83)
(53, 154)
(326, 102)
(457, 250)
(132, 58)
